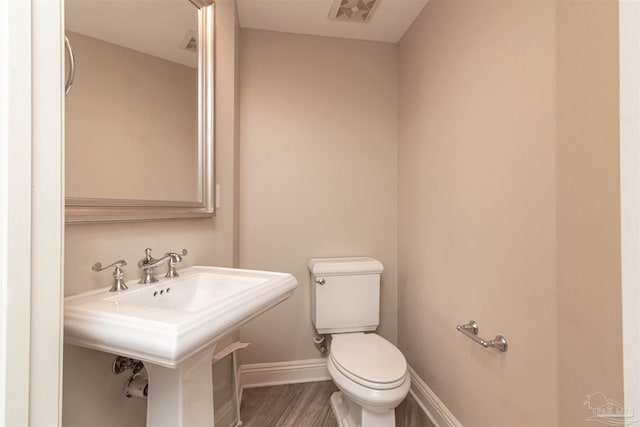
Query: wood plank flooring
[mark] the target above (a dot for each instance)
(308, 405)
(289, 405)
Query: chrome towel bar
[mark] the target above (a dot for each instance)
(72, 65)
(470, 330)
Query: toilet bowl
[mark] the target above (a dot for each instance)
(371, 374)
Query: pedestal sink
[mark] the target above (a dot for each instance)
(173, 327)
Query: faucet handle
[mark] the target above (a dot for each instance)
(118, 264)
(177, 256)
(118, 274)
(174, 258)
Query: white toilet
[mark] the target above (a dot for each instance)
(370, 372)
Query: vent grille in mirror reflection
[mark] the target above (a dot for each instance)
(190, 41)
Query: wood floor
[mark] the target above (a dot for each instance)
(308, 405)
(290, 405)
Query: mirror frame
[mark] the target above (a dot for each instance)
(94, 210)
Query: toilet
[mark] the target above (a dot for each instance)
(370, 372)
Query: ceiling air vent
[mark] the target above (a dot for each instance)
(190, 41)
(353, 10)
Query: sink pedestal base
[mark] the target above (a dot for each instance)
(181, 397)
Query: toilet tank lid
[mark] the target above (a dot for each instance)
(344, 266)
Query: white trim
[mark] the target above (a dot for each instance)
(293, 372)
(31, 212)
(47, 214)
(629, 20)
(15, 210)
(433, 407)
(4, 201)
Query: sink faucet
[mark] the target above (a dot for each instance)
(148, 265)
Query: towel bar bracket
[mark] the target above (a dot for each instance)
(471, 329)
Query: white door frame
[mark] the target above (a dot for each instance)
(31, 212)
(629, 19)
(15, 202)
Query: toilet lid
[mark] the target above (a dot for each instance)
(369, 359)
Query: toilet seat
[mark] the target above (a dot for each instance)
(368, 360)
(368, 397)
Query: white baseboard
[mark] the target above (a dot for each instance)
(311, 370)
(433, 407)
(293, 372)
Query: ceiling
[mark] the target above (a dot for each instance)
(161, 30)
(389, 22)
(158, 31)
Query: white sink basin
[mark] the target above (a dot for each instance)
(167, 322)
(173, 326)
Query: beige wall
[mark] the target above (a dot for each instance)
(92, 395)
(589, 290)
(131, 125)
(317, 171)
(477, 207)
(509, 207)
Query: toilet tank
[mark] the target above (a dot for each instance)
(345, 294)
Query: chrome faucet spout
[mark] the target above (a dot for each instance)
(148, 264)
(154, 263)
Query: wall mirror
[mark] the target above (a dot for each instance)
(139, 115)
